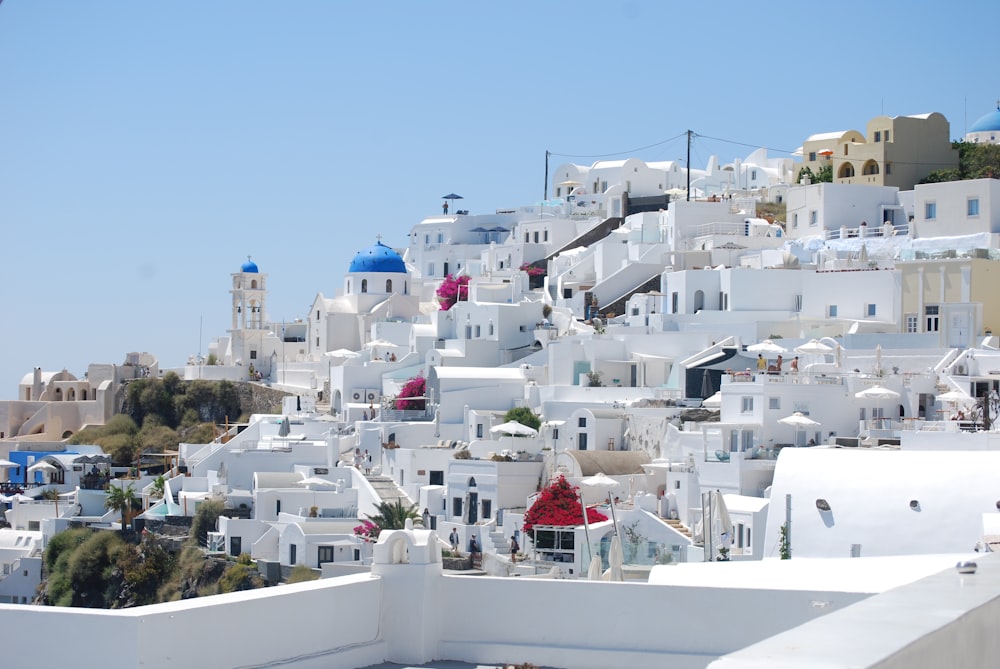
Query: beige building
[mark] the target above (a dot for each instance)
(894, 151)
(955, 297)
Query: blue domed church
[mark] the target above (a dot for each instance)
(377, 287)
(986, 130)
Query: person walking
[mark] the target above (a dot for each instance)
(514, 550)
(368, 462)
(453, 539)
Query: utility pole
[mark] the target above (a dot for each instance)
(545, 190)
(689, 134)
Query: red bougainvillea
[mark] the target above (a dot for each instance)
(530, 270)
(453, 289)
(415, 387)
(559, 505)
(367, 530)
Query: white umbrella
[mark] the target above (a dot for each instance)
(766, 346)
(515, 428)
(877, 393)
(952, 396)
(600, 480)
(713, 402)
(381, 342)
(314, 481)
(616, 559)
(722, 524)
(42, 466)
(5, 464)
(342, 353)
(813, 347)
(594, 572)
(799, 421)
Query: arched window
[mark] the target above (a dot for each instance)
(699, 300)
(491, 328)
(472, 482)
(388, 285)
(846, 171)
(871, 167)
(253, 284)
(364, 285)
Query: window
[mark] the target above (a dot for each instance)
(878, 135)
(888, 168)
(317, 341)
(479, 331)
(536, 236)
(774, 403)
(747, 440)
(870, 309)
(831, 311)
(933, 318)
(487, 508)
(797, 304)
(491, 328)
(582, 445)
(430, 270)
(673, 302)
(555, 433)
(930, 211)
(911, 322)
(388, 285)
(253, 355)
(526, 237)
(753, 175)
(795, 220)
(581, 422)
(317, 315)
(292, 554)
(235, 545)
(813, 217)
(364, 285)
(456, 506)
(427, 239)
(436, 477)
(812, 156)
(440, 237)
(886, 133)
(545, 235)
(746, 404)
(325, 554)
(479, 430)
(972, 208)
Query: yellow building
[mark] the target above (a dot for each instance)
(894, 151)
(955, 297)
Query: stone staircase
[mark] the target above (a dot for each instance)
(679, 526)
(500, 543)
(387, 490)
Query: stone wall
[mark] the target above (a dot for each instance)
(255, 398)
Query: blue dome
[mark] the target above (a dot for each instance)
(249, 267)
(378, 258)
(987, 123)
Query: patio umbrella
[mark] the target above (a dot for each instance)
(285, 428)
(5, 464)
(800, 422)
(713, 402)
(601, 481)
(877, 393)
(342, 353)
(766, 346)
(812, 347)
(42, 466)
(452, 197)
(952, 397)
(315, 481)
(616, 559)
(722, 524)
(706, 384)
(514, 428)
(594, 571)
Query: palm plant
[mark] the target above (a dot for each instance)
(121, 499)
(393, 515)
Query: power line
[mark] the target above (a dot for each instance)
(617, 153)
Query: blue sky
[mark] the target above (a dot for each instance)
(147, 148)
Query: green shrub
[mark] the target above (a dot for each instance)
(301, 574)
(205, 519)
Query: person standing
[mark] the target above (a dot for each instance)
(514, 549)
(453, 539)
(426, 518)
(761, 363)
(368, 462)
(795, 364)
(444, 207)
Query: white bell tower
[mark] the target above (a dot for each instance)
(249, 294)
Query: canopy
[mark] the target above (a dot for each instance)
(4, 464)
(953, 396)
(713, 402)
(313, 481)
(342, 353)
(515, 428)
(766, 346)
